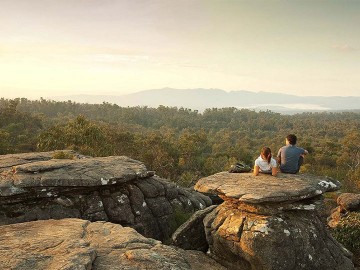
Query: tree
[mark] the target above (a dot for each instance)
(79, 134)
(18, 130)
(350, 158)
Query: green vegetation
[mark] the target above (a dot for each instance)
(348, 232)
(179, 217)
(181, 144)
(18, 130)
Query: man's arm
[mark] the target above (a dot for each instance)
(278, 158)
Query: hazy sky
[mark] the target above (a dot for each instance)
(62, 47)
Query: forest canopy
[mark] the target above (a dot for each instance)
(181, 144)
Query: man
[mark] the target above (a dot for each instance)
(291, 157)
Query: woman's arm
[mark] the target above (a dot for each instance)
(256, 170)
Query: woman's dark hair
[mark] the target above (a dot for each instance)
(291, 139)
(266, 153)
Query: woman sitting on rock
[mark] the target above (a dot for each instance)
(265, 163)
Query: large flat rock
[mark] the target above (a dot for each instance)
(40, 170)
(266, 188)
(79, 244)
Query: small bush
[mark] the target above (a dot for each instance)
(178, 218)
(187, 179)
(348, 231)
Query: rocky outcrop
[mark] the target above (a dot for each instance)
(121, 190)
(80, 244)
(349, 202)
(270, 222)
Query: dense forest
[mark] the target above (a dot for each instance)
(181, 144)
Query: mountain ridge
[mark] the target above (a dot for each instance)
(201, 99)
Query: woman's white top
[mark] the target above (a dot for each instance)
(264, 166)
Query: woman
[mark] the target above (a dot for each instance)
(265, 163)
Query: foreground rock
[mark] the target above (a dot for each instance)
(270, 222)
(116, 189)
(80, 244)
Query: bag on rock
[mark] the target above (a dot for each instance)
(239, 168)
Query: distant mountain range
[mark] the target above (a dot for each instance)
(200, 99)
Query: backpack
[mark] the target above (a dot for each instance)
(239, 168)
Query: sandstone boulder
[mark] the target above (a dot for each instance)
(271, 222)
(79, 244)
(349, 201)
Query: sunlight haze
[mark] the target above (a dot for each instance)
(115, 47)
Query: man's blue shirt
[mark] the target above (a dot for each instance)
(290, 156)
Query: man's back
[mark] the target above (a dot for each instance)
(290, 158)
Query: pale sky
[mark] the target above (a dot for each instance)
(114, 47)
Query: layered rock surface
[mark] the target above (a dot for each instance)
(80, 244)
(245, 187)
(270, 222)
(121, 190)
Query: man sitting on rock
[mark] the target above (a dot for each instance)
(291, 157)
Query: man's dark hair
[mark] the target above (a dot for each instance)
(291, 139)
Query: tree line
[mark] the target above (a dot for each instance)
(181, 144)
